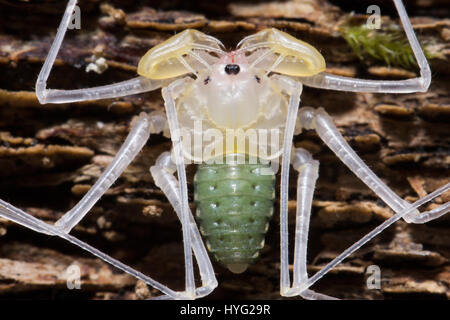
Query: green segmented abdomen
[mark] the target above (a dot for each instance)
(234, 206)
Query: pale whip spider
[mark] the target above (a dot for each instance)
(257, 86)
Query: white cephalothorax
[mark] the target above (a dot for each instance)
(232, 91)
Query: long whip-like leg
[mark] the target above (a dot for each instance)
(327, 131)
(294, 90)
(300, 274)
(12, 213)
(170, 94)
(308, 172)
(371, 235)
(320, 121)
(143, 126)
(333, 82)
(140, 132)
(120, 89)
(163, 175)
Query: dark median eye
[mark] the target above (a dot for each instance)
(232, 69)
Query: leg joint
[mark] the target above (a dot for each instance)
(302, 157)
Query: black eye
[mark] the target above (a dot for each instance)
(232, 69)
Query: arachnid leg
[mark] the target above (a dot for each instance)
(427, 216)
(294, 89)
(329, 81)
(140, 133)
(120, 89)
(170, 94)
(347, 252)
(163, 175)
(308, 172)
(142, 128)
(320, 121)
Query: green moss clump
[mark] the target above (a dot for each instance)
(388, 44)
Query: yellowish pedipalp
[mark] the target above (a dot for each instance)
(299, 58)
(165, 60)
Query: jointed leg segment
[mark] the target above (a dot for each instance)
(163, 175)
(294, 90)
(125, 88)
(333, 82)
(138, 136)
(308, 172)
(170, 94)
(140, 133)
(318, 275)
(325, 128)
(142, 128)
(320, 121)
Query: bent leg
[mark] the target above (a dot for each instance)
(142, 128)
(137, 138)
(320, 121)
(170, 94)
(163, 175)
(325, 80)
(308, 172)
(120, 89)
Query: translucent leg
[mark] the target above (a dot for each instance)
(327, 131)
(308, 170)
(12, 213)
(162, 173)
(428, 215)
(328, 81)
(170, 94)
(294, 90)
(125, 88)
(318, 275)
(323, 124)
(138, 136)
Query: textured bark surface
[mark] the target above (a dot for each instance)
(50, 155)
